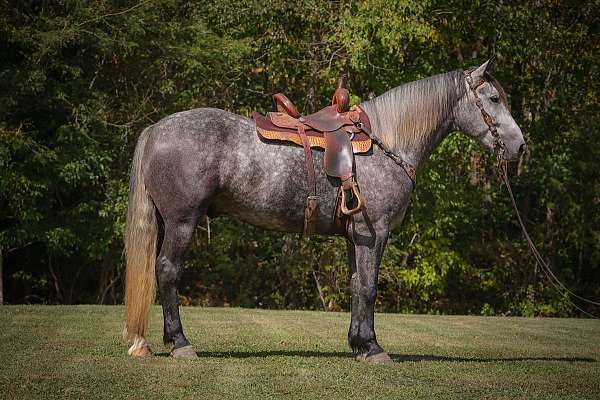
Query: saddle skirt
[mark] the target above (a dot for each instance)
(279, 126)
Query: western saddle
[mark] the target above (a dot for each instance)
(340, 130)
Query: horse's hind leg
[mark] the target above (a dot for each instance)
(177, 236)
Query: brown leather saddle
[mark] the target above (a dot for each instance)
(338, 129)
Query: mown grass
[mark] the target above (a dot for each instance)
(76, 352)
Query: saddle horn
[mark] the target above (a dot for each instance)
(342, 81)
(341, 97)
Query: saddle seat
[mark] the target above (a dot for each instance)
(339, 130)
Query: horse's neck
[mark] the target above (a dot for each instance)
(430, 142)
(414, 118)
(418, 150)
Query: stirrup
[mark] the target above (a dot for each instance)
(351, 186)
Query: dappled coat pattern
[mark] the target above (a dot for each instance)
(209, 161)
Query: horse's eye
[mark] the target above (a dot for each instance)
(495, 98)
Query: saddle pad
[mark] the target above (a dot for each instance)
(266, 129)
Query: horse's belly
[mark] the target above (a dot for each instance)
(269, 215)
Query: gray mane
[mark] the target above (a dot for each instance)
(405, 115)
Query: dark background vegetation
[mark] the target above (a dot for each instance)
(80, 79)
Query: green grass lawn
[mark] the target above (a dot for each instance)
(76, 352)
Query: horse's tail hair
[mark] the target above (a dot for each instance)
(140, 250)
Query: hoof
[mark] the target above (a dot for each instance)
(140, 348)
(379, 358)
(185, 353)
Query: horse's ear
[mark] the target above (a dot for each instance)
(491, 63)
(483, 68)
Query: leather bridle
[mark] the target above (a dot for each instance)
(498, 145)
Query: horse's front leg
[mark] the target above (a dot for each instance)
(364, 257)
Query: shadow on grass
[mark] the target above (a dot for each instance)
(427, 357)
(396, 357)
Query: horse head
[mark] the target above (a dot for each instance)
(485, 115)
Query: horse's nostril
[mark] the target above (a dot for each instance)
(522, 148)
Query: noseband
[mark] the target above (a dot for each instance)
(498, 144)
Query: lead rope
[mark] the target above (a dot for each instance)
(558, 285)
(499, 149)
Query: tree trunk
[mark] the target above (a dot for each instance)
(313, 53)
(109, 275)
(319, 289)
(1, 280)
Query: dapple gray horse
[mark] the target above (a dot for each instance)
(211, 162)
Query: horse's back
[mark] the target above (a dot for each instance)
(206, 122)
(195, 134)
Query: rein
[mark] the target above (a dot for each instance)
(558, 285)
(502, 165)
(409, 169)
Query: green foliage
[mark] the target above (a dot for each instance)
(79, 80)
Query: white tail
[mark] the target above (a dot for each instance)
(140, 251)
